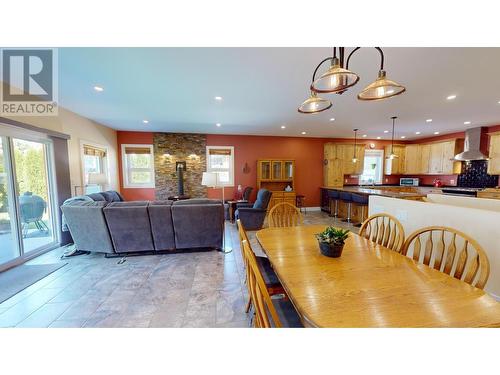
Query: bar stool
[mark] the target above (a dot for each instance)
(361, 201)
(333, 195)
(346, 198)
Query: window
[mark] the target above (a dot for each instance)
(94, 168)
(373, 167)
(220, 159)
(138, 166)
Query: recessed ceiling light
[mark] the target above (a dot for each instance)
(379, 137)
(417, 133)
(364, 135)
(218, 98)
(332, 119)
(218, 124)
(386, 131)
(98, 88)
(403, 136)
(145, 121)
(428, 120)
(466, 122)
(436, 133)
(451, 97)
(303, 133)
(499, 102)
(283, 126)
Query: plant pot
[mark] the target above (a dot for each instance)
(331, 250)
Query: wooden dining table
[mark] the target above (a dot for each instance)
(370, 285)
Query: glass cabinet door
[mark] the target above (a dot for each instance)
(288, 172)
(277, 170)
(265, 170)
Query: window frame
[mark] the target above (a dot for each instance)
(126, 169)
(380, 154)
(104, 165)
(231, 163)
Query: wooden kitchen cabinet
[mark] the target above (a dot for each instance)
(396, 165)
(424, 154)
(338, 162)
(494, 162)
(441, 158)
(275, 175)
(351, 168)
(412, 159)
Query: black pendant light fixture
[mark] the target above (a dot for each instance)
(392, 155)
(354, 158)
(338, 79)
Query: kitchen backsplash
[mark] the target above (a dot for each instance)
(474, 175)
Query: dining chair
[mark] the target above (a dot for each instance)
(271, 280)
(385, 230)
(269, 312)
(450, 251)
(284, 215)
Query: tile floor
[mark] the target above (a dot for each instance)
(202, 289)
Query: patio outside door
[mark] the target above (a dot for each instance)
(26, 204)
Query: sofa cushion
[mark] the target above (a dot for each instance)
(129, 226)
(186, 202)
(112, 196)
(198, 225)
(97, 197)
(162, 227)
(87, 225)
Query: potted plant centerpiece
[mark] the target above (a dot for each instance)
(331, 241)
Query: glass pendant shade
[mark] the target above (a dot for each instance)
(392, 156)
(336, 79)
(382, 88)
(314, 104)
(354, 160)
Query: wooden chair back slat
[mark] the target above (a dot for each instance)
(284, 215)
(385, 230)
(265, 313)
(470, 264)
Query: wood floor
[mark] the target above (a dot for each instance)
(202, 289)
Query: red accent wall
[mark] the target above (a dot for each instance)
(140, 138)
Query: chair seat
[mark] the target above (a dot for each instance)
(287, 313)
(267, 271)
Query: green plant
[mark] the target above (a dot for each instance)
(333, 236)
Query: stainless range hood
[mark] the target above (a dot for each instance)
(472, 149)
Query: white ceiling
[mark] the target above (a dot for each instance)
(174, 89)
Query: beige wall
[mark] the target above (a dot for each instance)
(80, 129)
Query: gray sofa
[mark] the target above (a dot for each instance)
(117, 227)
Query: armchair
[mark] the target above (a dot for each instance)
(252, 215)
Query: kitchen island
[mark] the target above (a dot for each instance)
(358, 213)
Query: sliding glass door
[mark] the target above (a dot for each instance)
(26, 205)
(9, 249)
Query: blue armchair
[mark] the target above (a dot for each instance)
(252, 215)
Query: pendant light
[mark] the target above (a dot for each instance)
(354, 158)
(392, 155)
(336, 79)
(314, 104)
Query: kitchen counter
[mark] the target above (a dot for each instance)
(381, 192)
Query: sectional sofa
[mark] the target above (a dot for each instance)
(113, 226)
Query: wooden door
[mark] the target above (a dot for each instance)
(424, 151)
(448, 154)
(412, 159)
(360, 154)
(494, 162)
(288, 168)
(264, 170)
(276, 170)
(436, 158)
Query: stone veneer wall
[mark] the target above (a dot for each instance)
(190, 148)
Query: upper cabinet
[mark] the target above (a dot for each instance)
(494, 162)
(275, 174)
(396, 165)
(338, 161)
(433, 158)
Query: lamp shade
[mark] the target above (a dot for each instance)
(314, 104)
(382, 88)
(335, 79)
(97, 179)
(209, 179)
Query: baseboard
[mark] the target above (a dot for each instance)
(312, 208)
(495, 296)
